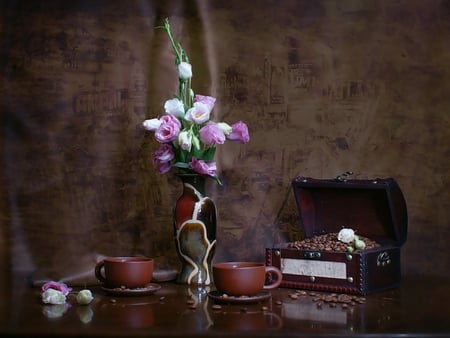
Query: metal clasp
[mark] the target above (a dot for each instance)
(312, 255)
(343, 177)
(383, 259)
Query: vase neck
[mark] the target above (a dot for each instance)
(197, 181)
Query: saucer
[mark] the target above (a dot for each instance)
(146, 290)
(220, 297)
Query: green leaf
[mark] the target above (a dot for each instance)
(181, 165)
(209, 154)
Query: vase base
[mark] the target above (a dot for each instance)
(185, 278)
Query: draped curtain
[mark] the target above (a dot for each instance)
(324, 86)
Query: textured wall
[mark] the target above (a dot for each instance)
(325, 87)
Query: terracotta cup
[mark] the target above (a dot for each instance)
(244, 278)
(129, 272)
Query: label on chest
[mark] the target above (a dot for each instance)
(304, 267)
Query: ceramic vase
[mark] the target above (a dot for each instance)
(195, 231)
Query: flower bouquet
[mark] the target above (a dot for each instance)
(187, 135)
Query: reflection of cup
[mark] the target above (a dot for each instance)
(129, 272)
(127, 312)
(244, 278)
(247, 321)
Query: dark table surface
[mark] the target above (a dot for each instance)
(419, 307)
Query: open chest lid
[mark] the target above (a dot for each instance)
(373, 208)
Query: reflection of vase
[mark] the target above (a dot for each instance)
(195, 231)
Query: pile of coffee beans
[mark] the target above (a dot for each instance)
(328, 242)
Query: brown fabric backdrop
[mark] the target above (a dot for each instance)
(325, 87)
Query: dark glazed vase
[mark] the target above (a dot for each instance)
(195, 231)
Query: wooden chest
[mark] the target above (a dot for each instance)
(375, 209)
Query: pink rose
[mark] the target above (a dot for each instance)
(164, 167)
(168, 130)
(211, 134)
(63, 288)
(202, 167)
(209, 101)
(162, 157)
(239, 132)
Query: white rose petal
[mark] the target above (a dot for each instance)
(346, 235)
(52, 296)
(151, 125)
(84, 297)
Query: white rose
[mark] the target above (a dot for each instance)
(185, 140)
(84, 297)
(151, 125)
(199, 113)
(184, 70)
(346, 235)
(52, 296)
(174, 107)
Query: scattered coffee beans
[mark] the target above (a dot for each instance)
(333, 299)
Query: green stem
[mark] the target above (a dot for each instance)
(175, 45)
(185, 91)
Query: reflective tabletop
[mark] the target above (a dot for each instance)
(420, 307)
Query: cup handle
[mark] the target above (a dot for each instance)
(275, 283)
(98, 271)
